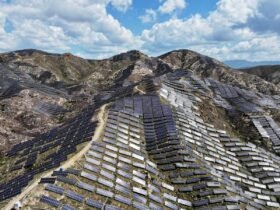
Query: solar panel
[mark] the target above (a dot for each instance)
(107, 175)
(75, 196)
(55, 189)
(111, 207)
(86, 186)
(94, 203)
(59, 173)
(66, 180)
(122, 189)
(73, 171)
(67, 136)
(105, 182)
(47, 180)
(50, 201)
(104, 192)
(139, 206)
(67, 207)
(91, 168)
(88, 176)
(123, 199)
(93, 161)
(17, 167)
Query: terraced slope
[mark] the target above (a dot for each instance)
(40, 90)
(178, 132)
(159, 151)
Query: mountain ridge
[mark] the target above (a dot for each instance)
(269, 73)
(65, 81)
(67, 71)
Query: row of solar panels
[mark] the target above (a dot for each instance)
(79, 134)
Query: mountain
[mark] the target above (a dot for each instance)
(240, 64)
(269, 73)
(177, 131)
(67, 69)
(36, 86)
(40, 90)
(205, 67)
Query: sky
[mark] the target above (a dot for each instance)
(223, 29)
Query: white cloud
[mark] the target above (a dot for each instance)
(232, 12)
(236, 29)
(267, 19)
(68, 25)
(35, 33)
(150, 16)
(2, 23)
(226, 33)
(121, 5)
(170, 6)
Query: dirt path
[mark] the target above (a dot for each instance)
(141, 91)
(97, 134)
(68, 163)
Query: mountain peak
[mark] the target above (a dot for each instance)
(131, 55)
(29, 52)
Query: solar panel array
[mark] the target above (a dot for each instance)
(187, 80)
(245, 106)
(50, 201)
(47, 180)
(163, 144)
(248, 173)
(151, 156)
(226, 91)
(185, 174)
(246, 101)
(268, 130)
(108, 96)
(24, 81)
(117, 169)
(50, 109)
(223, 103)
(276, 99)
(179, 97)
(267, 101)
(63, 140)
(149, 85)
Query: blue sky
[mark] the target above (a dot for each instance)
(223, 29)
(131, 20)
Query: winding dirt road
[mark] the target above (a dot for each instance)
(68, 163)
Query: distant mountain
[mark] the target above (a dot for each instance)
(268, 73)
(240, 64)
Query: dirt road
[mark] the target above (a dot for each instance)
(68, 163)
(141, 91)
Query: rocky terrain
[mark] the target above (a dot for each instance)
(204, 66)
(181, 130)
(269, 73)
(32, 78)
